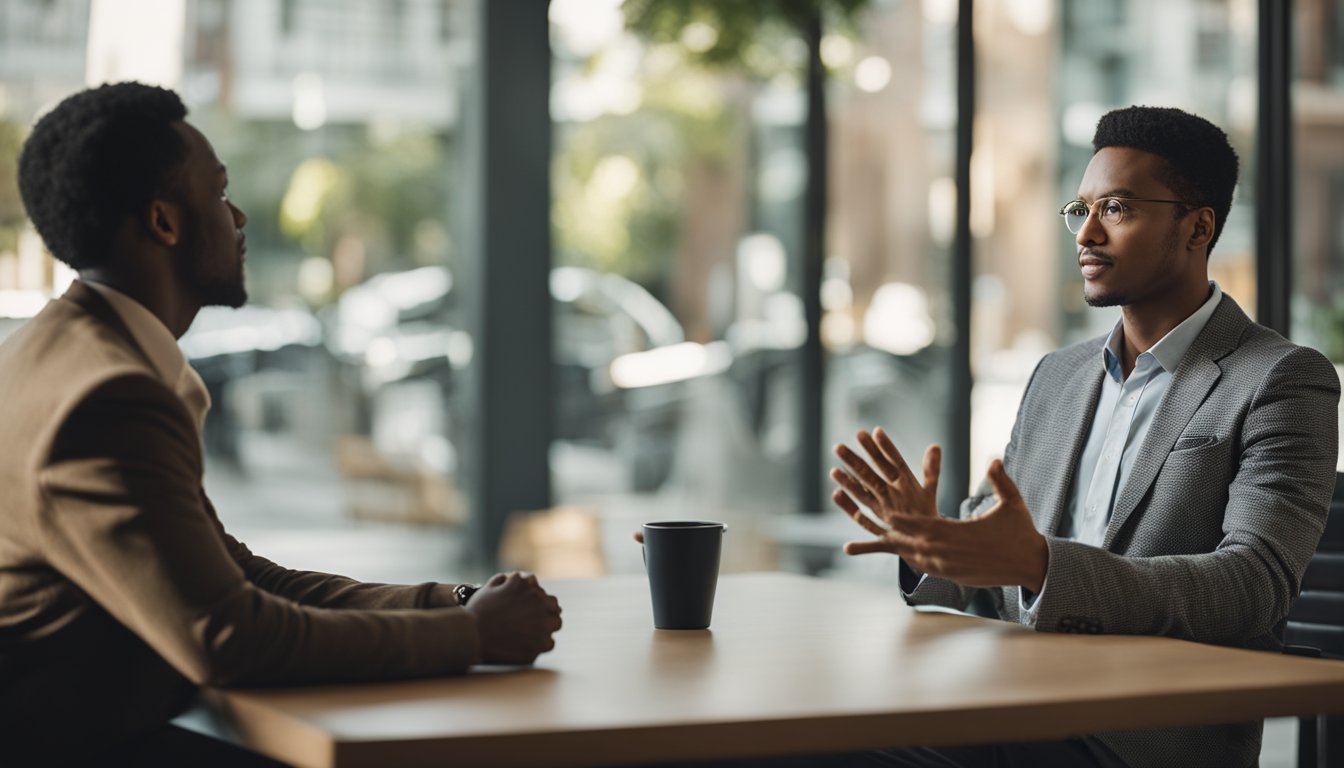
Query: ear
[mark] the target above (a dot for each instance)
(1203, 230)
(163, 221)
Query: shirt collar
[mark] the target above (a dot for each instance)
(149, 332)
(1169, 350)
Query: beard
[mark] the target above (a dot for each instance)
(230, 292)
(216, 280)
(1106, 300)
(1120, 298)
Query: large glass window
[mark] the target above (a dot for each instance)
(1318, 191)
(676, 188)
(1047, 72)
(680, 179)
(334, 428)
(678, 199)
(332, 439)
(886, 292)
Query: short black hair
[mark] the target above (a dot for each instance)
(1200, 164)
(101, 155)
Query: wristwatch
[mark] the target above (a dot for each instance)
(463, 592)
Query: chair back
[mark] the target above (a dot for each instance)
(1317, 619)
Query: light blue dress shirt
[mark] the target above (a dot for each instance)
(1124, 414)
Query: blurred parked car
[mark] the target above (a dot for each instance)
(264, 353)
(401, 327)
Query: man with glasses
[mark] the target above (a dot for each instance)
(1171, 478)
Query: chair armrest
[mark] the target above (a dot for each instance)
(1302, 650)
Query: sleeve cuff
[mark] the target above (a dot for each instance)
(435, 595)
(1029, 603)
(910, 578)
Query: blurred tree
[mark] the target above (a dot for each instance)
(11, 208)
(384, 189)
(621, 180)
(733, 34)
(738, 35)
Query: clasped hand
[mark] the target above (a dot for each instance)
(515, 618)
(1000, 547)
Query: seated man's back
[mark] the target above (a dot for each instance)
(120, 591)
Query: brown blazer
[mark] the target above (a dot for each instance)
(120, 592)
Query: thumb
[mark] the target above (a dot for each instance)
(1003, 485)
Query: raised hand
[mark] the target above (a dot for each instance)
(515, 618)
(1000, 547)
(891, 490)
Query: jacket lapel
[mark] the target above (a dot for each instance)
(1190, 385)
(1079, 395)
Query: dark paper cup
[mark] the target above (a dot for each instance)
(682, 558)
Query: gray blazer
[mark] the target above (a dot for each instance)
(1211, 534)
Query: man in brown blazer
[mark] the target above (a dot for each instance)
(120, 591)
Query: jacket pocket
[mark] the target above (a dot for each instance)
(1193, 442)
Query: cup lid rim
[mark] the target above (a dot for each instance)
(676, 525)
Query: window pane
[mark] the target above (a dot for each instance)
(887, 295)
(332, 389)
(339, 125)
(1318, 194)
(687, 181)
(678, 186)
(1048, 71)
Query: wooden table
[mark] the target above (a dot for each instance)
(791, 664)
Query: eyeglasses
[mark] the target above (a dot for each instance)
(1108, 210)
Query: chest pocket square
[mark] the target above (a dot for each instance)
(1190, 443)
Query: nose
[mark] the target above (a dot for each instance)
(239, 218)
(1091, 233)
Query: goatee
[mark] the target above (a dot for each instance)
(1104, 300)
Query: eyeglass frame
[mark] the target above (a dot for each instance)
(1091, 209)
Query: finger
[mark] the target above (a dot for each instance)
(890, 450)
(855, 488)
(891, 465)
(891, 542)
(933, 465)
(844, 502)
(1003, 485)
(860, 468)
(639, 537)
(870, 547)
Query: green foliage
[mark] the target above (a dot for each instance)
(1326, 325)
(389, 186)
(740, 35)
(620, 180)
(624, 183)
(617, 191)
(11, 207)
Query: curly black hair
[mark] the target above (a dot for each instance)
(1200, 164)
(100, 156)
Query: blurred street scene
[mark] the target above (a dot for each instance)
(678, 178)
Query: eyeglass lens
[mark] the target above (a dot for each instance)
(1109, 211)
